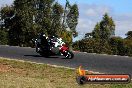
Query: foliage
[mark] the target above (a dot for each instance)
(117, 45)
(91, 45)
(56, 19)
(129, 35)
(102, 40)
(25, 19)
(72, 19)
(3, 37)
(7, 14)
(66, 36)
(96, 32)
(105, 29)
(128, 44)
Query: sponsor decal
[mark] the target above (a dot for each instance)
(83, 78)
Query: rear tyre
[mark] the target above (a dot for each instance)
(37, 49)
(44, 54)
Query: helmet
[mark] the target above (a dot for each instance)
(52, 36)
(42, 35)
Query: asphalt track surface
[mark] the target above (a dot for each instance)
(93, 62)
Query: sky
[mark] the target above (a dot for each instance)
(92, 11)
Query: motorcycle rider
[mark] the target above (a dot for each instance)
(47, 46)
(52, 39)
(49, 42)
(57, 41)
(42, 41)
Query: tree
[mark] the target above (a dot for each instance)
(128, 43)
(104, 29)
(43, 15)
(88, 35)
(96, 32)
(72, 19)
(57, 11)
(26, 18)
(3, 37)
(7, 14)
(129, 35)
(107, 27)
(101, 34)
(118, 46)
(22, 22)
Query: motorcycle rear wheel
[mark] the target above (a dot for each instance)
(44, 54)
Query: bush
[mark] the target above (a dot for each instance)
(3, 37)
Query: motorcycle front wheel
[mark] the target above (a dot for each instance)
(69, 55)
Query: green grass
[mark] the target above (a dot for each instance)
(20, 74)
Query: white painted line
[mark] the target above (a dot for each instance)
(101, 54)
(15, 46)
(93, 53)
(53, 65)
(49, 65)
(104, 54)
(114, 55)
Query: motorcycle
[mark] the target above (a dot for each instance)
(52, 48)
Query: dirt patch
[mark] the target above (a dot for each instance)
(9, 68)
(4, 68)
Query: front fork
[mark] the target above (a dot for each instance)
(63, 52)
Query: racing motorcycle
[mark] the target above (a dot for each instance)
(52, 47)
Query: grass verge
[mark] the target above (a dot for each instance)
(20, 74)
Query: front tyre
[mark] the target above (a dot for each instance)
(69, 55)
